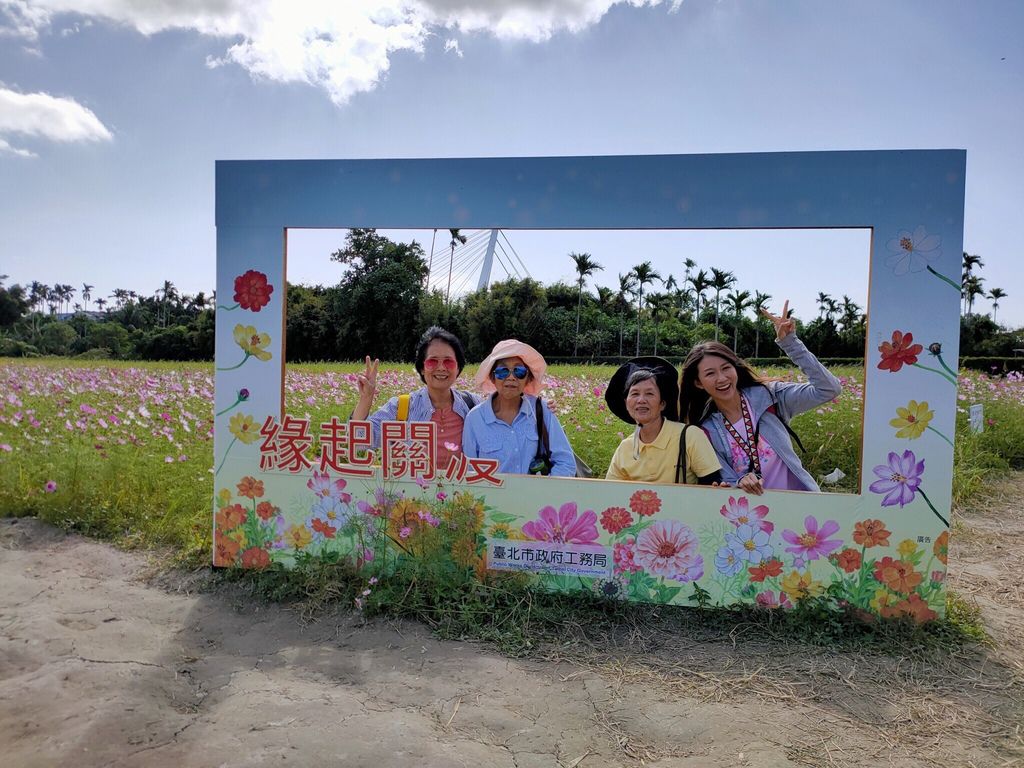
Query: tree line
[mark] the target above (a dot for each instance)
(381, 305)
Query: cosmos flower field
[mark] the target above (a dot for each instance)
(125, 450)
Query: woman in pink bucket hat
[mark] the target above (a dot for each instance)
(505, 426)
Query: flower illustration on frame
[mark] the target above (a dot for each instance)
(813, 543)
(912, 251)
(900, 481)
(899, 352)
(565, 526)
(252, 291)
(244, 428)
(669, 548)
(912, 421)
(253, 343)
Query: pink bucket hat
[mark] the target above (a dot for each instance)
(512, 348)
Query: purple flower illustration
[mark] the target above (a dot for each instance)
(813, 543)
(900, 478)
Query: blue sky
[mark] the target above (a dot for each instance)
(111, 117)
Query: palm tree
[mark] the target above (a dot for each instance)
(720, 280)
(37, 294)
(585, 267)
(661, 305)
(738, 301)
(101, 303)
(700, 283)
(758, 304)
(972, 290)
(86, 294)
(995, 295)
(644, 274)
(823, 302)
(120, 296)
(627, 282)
(970, 262)
(170, 294)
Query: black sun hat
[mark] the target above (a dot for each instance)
(664, 373)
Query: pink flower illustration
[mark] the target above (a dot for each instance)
(813, 543)
(738, 512)
(624, 556)
(769, 599)
(563, 526)
(900, 478)
(669, 548)
(322, 486)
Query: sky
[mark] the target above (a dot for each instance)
(113, 112)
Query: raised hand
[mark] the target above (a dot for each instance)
(366, 381)
(784, 324)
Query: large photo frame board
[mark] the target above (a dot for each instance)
(883, 549)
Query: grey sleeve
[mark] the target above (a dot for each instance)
(821, 386)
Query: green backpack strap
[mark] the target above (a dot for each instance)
(403, 408)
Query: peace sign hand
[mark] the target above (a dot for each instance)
(784, 324)
(366, 381)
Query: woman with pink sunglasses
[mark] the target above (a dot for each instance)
(440, 358)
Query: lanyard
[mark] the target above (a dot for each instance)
(755, 460)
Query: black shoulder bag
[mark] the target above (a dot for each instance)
(541, 464)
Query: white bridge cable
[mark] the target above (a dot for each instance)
(512, 248)
(467, 261)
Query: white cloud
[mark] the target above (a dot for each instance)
(344, 48)
(5, 147)
(44, 116)
(453, 45)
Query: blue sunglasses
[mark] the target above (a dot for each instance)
(502, 372)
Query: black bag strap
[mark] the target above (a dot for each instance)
(543, 446)
(681, 461)
(468, 400)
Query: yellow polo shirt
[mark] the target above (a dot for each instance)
(656, 462)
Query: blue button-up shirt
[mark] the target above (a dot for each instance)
(420, 409)
(514, 445)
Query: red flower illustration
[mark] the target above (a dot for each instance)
(849, 560)
(255, 557)
(645, 502)
(767, 569)
(901, 351)
(320, 526)
(252, 290)
(250, 487)
(225, 551)
(266, 510)
(615, 519)
(230, 517)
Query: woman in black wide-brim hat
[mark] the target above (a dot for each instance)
(644, 392)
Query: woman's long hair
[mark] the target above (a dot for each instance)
(694, 403)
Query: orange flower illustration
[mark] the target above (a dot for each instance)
(915, 608)
(225, 551)
(266, 510)
(901, 351)
(250, 487)
(849, 560)
(230, 517)
(767, 569)
(941, 547)
(897, 575)
(871, 533)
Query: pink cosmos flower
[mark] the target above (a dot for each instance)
(405, 533)
(5, 448)
(900, 478)
(768, 599)
(669, 548)
(51, 486)
(563, 526)
(813, 542)
(321, 485)
(738, 512)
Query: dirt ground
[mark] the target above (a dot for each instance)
(100, 666)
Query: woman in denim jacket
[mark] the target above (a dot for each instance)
(736, 408)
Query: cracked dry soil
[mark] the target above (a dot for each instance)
(98, 667)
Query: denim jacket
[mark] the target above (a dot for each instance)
(789, 400)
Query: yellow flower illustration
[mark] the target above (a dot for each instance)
(912, 421)
(298, 536)
(252, 342)
(882, 599)
(223, 496)
(799, 586)
(244, 428)
(906, 548)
